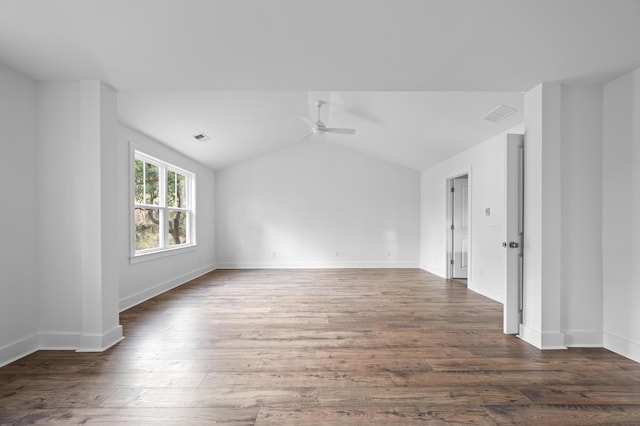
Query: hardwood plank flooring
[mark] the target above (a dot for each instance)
(329, 347)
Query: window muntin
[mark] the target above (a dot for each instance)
(163, 211)
(147, 182)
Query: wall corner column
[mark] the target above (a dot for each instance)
(543, 218)
(100, 293)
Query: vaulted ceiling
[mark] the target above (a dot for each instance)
(414, 77)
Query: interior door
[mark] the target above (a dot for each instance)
(514, 237)
(460, 227)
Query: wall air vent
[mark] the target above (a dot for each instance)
(500, 113)
(201, 137)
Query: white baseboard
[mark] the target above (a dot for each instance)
(99, 342)
(18, 349)
(58, 341)
(135, 299)
(530, 335)
(80, 342)
(315, 265)
(89, 342)
(622, 346)
(435, 270)
(544, 341)
(583, 338)
(486, 291)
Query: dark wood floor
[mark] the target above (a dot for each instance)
(331, 347)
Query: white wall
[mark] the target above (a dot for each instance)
(542, 225)
(486, 166)
(317, 205)
(563, 219)
(66, 273)
(620, 213)
(77, 282)
(19, 216)
(582, 215)
(98, 226)
(59, 245)
(143, 280)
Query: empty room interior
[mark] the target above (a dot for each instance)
(335, 212)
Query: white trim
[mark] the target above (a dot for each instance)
(531, 336)
(622, 346)
(583, 338)
(553, 341)
(486, 291)
(144, 256)
(136, 153)
(58, 341)
(431, 272)
(151, 292)
(541, 340)
(18, 349)
(100, 342)
(317, 265)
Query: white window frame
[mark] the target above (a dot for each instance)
(164, 248)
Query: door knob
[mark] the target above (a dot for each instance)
(511, 244)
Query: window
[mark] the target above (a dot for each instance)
(163, 212)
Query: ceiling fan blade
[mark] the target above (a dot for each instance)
(341, 131)
(307, 120)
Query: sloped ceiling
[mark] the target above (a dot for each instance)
(414, 77)
(413, 129)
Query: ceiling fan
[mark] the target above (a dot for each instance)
(319, 128)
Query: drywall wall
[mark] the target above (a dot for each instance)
(60, 277)
(317, 204)
(485, 164)
(542, 225)
(581, 212)
(98, 226)
(620, 210)
(77, 285)
(563, 221)
(59, 246)
(143, 280)
(19, 216)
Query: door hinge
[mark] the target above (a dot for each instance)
(453, 189)
(452, 227)
(452, 261)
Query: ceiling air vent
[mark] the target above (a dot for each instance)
(201, 137)
(500, 113)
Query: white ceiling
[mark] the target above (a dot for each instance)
(414, 77)
(414, 129)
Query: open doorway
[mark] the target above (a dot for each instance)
(458, 223)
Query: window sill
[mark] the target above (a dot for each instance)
(143, 257)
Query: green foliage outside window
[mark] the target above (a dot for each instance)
(176, 198)
(148, 189)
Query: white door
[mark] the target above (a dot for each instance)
(513, 243)
(460, 227)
